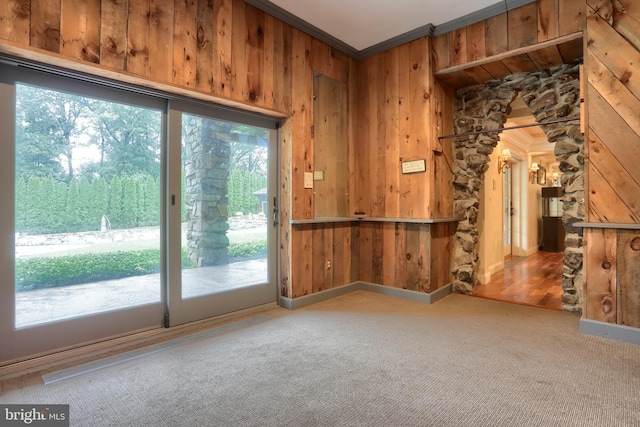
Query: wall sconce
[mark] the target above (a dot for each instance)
(504, 161)
(533, 172)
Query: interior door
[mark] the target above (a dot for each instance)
(81, 221)
(222, 206)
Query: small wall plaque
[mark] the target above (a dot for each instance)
(414, 166)
(318, 175)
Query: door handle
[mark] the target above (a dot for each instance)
(275, 212)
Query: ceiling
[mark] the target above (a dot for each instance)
(364, 27)
(362, 24)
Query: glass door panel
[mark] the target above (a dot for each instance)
(226, 228)
(87, 229)
(81, 229)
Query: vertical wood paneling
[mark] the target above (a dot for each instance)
(255, 57)
(160, 40)
(185, 30)
(600, 278)
(424, 257)
(441, 203)
(390, 149)
(223, 13)
(238, 64)
(377, 263)
(395, 95)
(80, 30)
(523, 26)
(355, 254)
(628, 246)
(476, 38)
(572, 14)
(458, 49)
(379, 145)
(366, 252)
(280, 66)
(353, 135)
(420, 79)
(497, 34)
(45, 25)
(440, 52)
(111, 22)
(388, 254)
(302, 156)
(206, 43)
(341, 255)
(361, 201)
(14, 21)
(442, 235)
(547, 20)
(329, 255)
(268, 76)
(374, 174)
(401, 255)
(405, 125)
(138, 38)
(413, 256)
(319, 256)
(302, 260)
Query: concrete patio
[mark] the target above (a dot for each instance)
(49, 305)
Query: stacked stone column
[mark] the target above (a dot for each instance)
(208, 150)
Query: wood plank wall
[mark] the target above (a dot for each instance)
(612, 259)
(521, 27)
(402, 112)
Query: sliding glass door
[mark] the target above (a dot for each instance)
(224, 213)
(117, 219)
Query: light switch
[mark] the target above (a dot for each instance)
(308, 180)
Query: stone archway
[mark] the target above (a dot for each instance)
(552, 95)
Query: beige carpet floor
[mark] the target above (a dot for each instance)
(363, 359)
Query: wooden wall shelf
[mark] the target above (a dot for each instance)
(367, 219)
(630, 226)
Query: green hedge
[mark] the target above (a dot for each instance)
(51, 272)
(249, 249)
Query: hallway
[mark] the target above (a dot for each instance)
(535, 280)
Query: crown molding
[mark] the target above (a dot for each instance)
(425, 30)
(302, 25)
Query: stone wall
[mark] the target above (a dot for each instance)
(551, 95)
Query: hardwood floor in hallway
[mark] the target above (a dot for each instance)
(535, 280)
